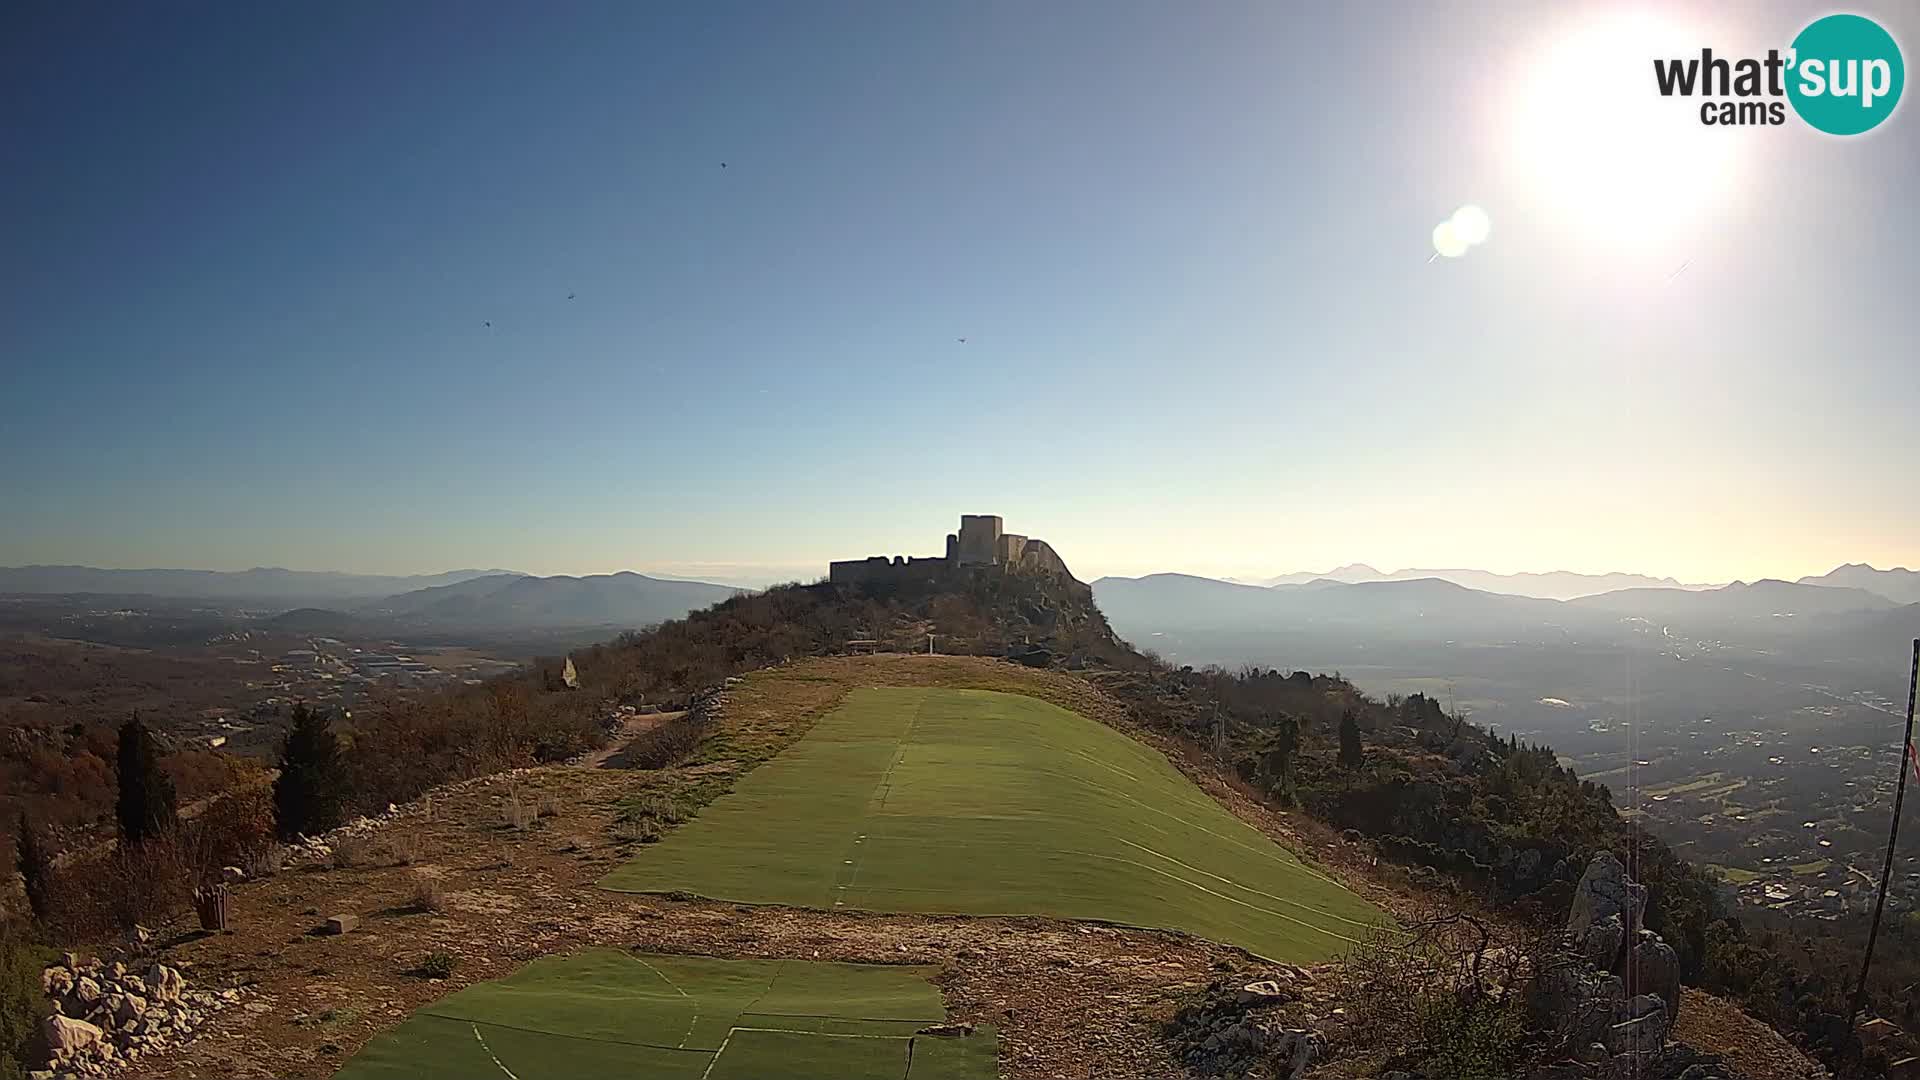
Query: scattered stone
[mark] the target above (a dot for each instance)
(105, 1017)
(947, 1031)
(1265, 992)
(65, 1035)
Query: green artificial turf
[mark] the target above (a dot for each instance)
(983, 803)
(609, 1015)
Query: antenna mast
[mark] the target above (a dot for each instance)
(1907, 761)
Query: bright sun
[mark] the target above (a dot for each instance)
(1596, 147)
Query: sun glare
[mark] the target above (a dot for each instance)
(1598, 150)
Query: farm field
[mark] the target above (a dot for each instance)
(607, 1014)
(983, 803)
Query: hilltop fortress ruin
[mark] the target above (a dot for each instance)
(981, 545)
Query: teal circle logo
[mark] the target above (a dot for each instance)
(1846, 74)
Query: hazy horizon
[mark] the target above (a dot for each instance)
(754, 575)
(1188, 251)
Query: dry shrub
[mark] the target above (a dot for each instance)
(549, 805)
(92, 898)
(232, 830)
(407, 849)
(667, 743)
(352, 851)
(1451, 989)
(517, 814)
(636, 831)
(425, 894)
(662, 808)
(266, 862)
(401, 747)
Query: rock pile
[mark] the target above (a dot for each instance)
(106, 1015)
(1610, 991)
(1270, 1028)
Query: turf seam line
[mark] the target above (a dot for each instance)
(482, 1040)
(716, 1055)
(849, 1019)
(664, 977)
(1150, 870)
(821, 1034)
(884, 789)
(779, 969)
(1248, 888)
(561, 1035)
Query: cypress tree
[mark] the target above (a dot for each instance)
(1352, 751)
(310, 794)
(147, 806)
(36, 868)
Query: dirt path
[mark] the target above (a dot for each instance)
(630, 729)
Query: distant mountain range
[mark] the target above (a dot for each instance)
(1553, 585)
(261, 585)
(1740, 600)
(1899, 584)
(513, 600)
(325, 601)
(1432, 607)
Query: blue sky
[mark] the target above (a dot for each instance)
(246, 255)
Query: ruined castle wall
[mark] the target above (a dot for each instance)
(979, 538)
(882, 570)
(1039, 555)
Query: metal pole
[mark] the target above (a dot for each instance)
(1893, 833)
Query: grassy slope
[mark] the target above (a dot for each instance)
(974, 802)
(608, 1014)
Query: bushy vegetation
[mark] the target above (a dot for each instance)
(1446, 999)
(1506, 824)
(22, 1005)
(438, 964)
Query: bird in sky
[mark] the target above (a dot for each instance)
(723, 164)
(488, 323)
(963, 341)
(569, 296)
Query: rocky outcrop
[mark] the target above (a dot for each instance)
(1609, 993)
(105, 1016)
(1272, 1028)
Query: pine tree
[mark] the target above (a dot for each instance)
(1352, 752)
(36, 868)
(148, 806)
(310, 794)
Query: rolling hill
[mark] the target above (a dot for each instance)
(1168, 602)
(511, 601)
(1899, 584)
(1759, 600)
(262, 585)
(1551, 585)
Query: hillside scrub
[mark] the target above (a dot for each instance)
(1504, 821)
(22, 1005)
(1494, 817)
